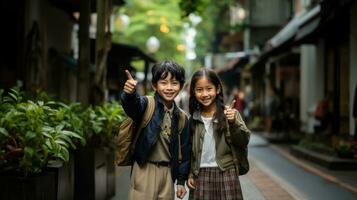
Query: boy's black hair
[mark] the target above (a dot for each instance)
(162, 70)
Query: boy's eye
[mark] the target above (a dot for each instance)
(175, 83)
(163, 82)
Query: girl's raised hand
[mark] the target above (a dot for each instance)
(230, 113)
(130, 84)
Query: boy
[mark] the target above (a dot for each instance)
(156, 164)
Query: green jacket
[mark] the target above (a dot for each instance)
(240, 137)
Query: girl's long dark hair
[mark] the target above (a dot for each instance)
(194, 105)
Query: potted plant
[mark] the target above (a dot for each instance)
(344, 150)
(34, 145)
(95, 170)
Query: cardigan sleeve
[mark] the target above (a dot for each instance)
(239, 131)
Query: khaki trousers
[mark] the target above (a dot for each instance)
(151, 182)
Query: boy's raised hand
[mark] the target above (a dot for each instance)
(230, 113)
(130, 84)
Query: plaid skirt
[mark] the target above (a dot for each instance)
(214, 184)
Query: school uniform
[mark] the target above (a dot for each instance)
(212, 164)
(156, 165)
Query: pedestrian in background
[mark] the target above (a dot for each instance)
(272, 104)
(239, 104)
(324, 116)
(156, 154)
(213, 174)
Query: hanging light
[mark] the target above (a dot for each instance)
(152, 44)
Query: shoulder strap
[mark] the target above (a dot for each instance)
(181, 125)
(181, 122)
(149, 111)
(229, 142)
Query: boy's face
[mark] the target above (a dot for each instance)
(168, 89)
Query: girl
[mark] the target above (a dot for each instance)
(213, 174)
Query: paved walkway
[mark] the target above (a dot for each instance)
(346, 179)
(268, 188)
(256, 185)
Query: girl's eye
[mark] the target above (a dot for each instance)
(175, 83)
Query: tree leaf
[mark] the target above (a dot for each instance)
(4, 131)
(62, 143)
(29, 151)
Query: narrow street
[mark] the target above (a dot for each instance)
(298, 182)
(73, 71)
(272, 176)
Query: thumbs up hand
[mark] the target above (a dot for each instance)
(230, 113)
(130, 84)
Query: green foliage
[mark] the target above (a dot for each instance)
(35, 133)
(31, 134)
(145, 20)
(101, 122)
(112, 115)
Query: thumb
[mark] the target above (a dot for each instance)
(232, 104)
(128, 75)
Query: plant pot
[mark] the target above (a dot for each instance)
(90, 174)
(110, 174)
(55, 183)
(38, 187)
(64, 179)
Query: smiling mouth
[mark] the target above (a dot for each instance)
(206, 100)
(169, 94)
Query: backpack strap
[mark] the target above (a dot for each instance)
(181, 122)
(228, 138)
(181, 125)
(149, 111)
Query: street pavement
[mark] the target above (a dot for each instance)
(273, 176)
(299, 178)
(256, 185)
(249, 183)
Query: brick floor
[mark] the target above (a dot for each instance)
(256, 185)
(269, 188)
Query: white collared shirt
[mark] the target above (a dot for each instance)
(208, 156)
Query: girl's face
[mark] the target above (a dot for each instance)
(206, 92)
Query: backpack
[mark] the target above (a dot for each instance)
(240, 154)
(129, 133)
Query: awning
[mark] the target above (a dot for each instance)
(120, 52)
(309, 24)
(308, 29)
(230, 73)
(297, 31)
(237, 58)
(297, 28)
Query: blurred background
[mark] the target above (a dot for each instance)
(291, 66)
